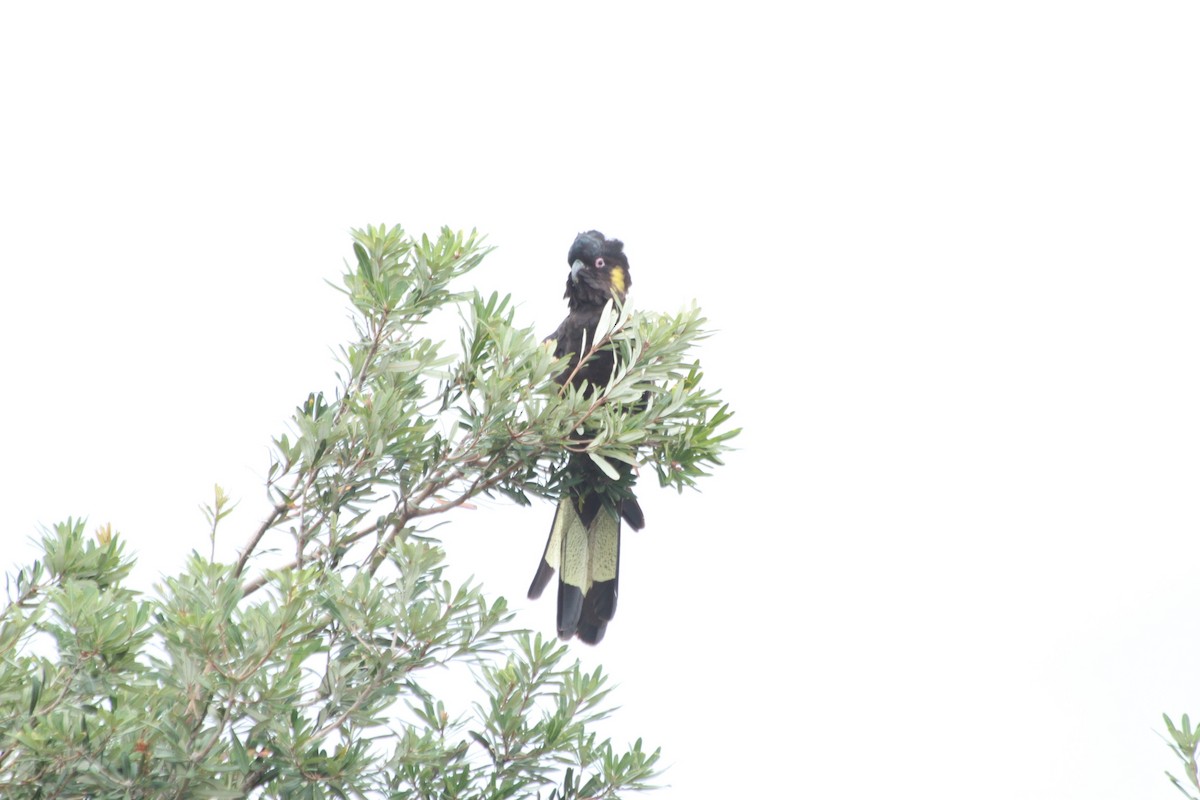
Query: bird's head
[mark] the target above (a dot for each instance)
(599, 270)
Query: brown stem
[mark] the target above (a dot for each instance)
(281, 509)
(248, 550)
(253, 585)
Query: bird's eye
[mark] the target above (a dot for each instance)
(599, 263)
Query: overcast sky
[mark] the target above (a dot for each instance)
(950, 250)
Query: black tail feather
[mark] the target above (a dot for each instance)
(587, 593)
(632, 512)
(540, 580)
(570, 609)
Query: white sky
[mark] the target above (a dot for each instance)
(950, 248)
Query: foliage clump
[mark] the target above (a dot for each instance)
(307, 676)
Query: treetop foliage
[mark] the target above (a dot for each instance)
(300, 669)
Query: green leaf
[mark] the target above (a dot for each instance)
(35, 692)
(605, 467)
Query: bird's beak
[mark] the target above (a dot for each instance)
(575, 268)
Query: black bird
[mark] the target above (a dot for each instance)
(585, 537)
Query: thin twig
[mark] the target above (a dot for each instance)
(281, 509)
(253, 585)
(276, 513)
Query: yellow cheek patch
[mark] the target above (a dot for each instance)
(618, 279)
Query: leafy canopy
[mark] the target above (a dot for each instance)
(310, 678)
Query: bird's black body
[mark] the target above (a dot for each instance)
(585, 538)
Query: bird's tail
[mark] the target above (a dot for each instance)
(584, 547)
